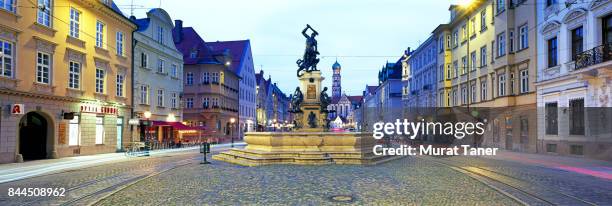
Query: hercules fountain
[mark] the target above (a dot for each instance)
(310, 143)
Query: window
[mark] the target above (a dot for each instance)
(551, 148)
(173, 100)
(473, 60)
(455, 38)
(441, 44)
(74, 132)
(189, 103)
(99, 130)
(144, 60)
(576, 149)
(43, 68)
(99, 80)
(464, 95)
(160, 65)
(120, 80)
(524, 130)
(44, 13)
(120, 43)
(501, 87)
(206, 78)
(551, 2)
(74, 75)
(511, 83)
(473, 92)
(455, 102)
(215, 77)
(576, 116)
(160, 34)
(448, 41)
(607, 30)
(501, 44)
(456, 68)
(501, 6)
(8, 5)
(193, 54)
(205, 102)
(189, 79)
(160, 98)
(448, 99)
(577, 45)
(473, 27)
(483, 20)
(511, 41)
(524, 75)
(552, 52)
(551, 118)
(174, 70)
(464, 65)
(100, 34)
(448, 71)
(483, 90)
(6, 59)
(144, 94)
(464, 30)
(523, 37)
(75, 22)
(483, 56)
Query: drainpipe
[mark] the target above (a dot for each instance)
(134, 42)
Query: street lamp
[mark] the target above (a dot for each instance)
(232, 121)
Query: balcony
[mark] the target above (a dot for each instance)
(593, 56)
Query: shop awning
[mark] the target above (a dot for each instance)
(178, 126)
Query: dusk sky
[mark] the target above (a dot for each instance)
(363, 35)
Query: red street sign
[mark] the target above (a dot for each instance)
(17, 109)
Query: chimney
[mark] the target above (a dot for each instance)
(177, 32)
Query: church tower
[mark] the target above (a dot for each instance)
(336, 85)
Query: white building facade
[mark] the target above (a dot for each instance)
(158, 72)
(574, 88)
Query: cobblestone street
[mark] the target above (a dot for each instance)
(179, 179)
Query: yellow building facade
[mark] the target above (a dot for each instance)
(67, 69)
(488, 50)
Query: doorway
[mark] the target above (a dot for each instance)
(33, 136)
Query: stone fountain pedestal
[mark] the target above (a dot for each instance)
(304, 148)
(309, 143)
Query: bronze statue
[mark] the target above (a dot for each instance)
(296, 100)
(312, 120)
(325, 100)
(310, 60)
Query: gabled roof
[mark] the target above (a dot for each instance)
(237, 49)
(192, 42)
(355, 99)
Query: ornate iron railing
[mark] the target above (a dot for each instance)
(593, 56)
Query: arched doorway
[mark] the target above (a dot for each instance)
(33, 136)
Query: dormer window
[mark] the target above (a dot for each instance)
(193, 54)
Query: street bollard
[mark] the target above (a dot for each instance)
(205, 148)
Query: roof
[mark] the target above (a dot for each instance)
(142, 24)
(192, 42)
(355, 99)
(237, 49)
(372, 89)
(336, 66)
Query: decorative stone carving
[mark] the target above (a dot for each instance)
(102, 64)
(8, 35)
(574, 14)
(597, 3)
(74, 55)
(44, 45)
(550, 27)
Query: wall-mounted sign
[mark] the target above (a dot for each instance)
(99, 109)
(311, 92)
(134, 121)
(17, 109)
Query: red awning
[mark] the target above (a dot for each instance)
(177, 125)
